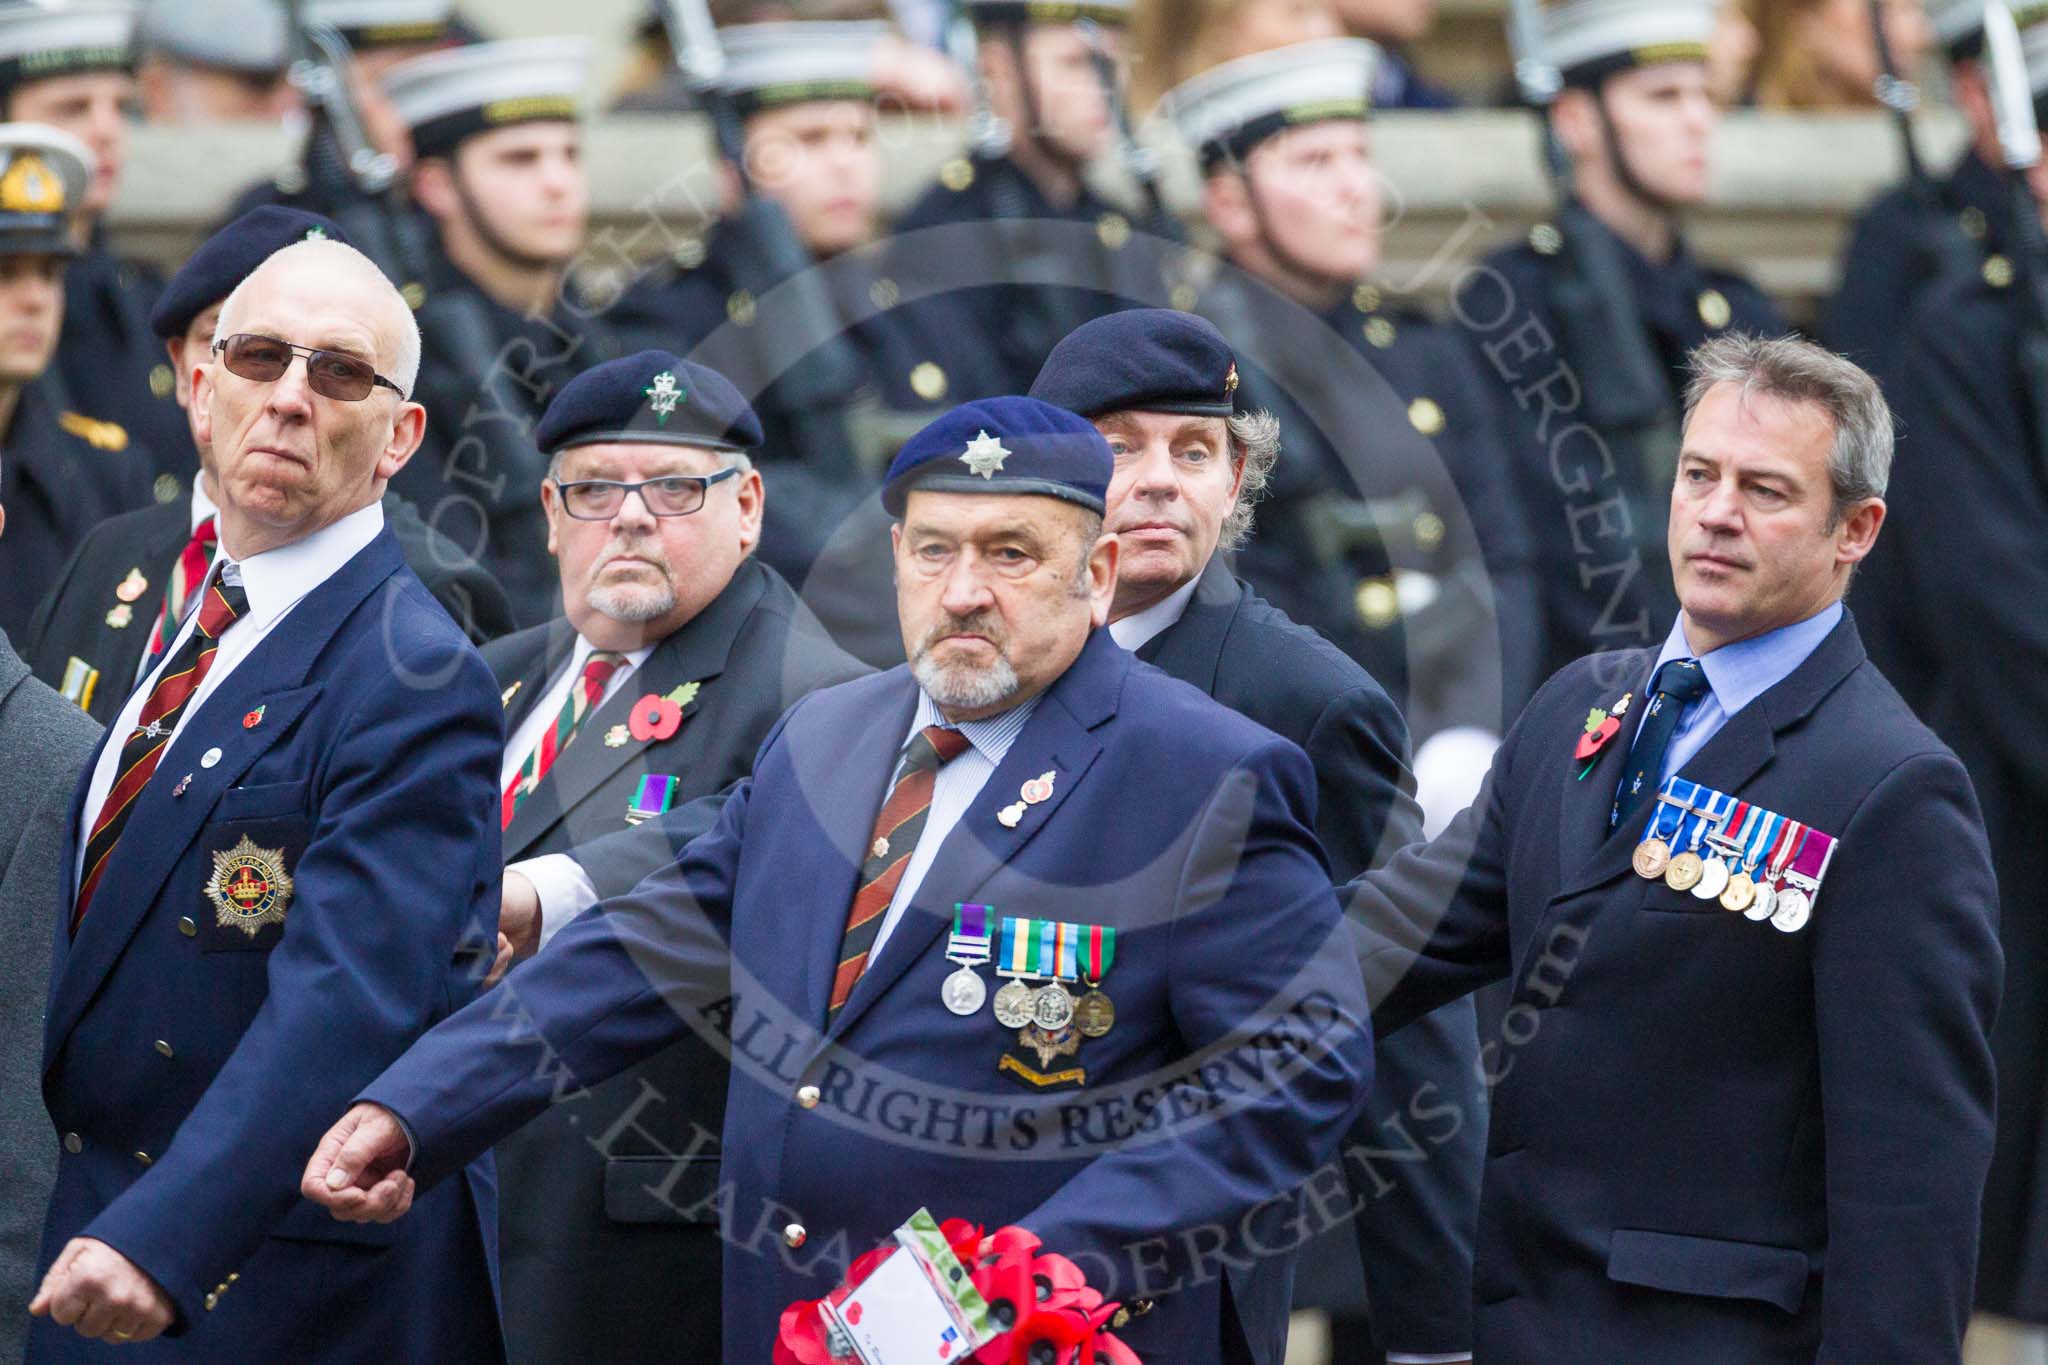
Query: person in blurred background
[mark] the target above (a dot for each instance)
(1821, 54)
(61, 472)
(221, 62)
(498, 170)
(72, 67)
(1394, 24)
(1732, 49)
(1171, 40)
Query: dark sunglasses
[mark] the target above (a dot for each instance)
(330, 374)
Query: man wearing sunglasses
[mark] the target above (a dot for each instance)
(131, 580)
(280, 865)
(676, 653)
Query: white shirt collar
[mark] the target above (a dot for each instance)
(1135, 631)
(276, 579)
(202, 506)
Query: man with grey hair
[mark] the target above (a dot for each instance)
(1742, 1094)
(278, 867)
(1161, 386)
(680, 650)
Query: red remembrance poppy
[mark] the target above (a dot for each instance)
(1593, 741)
(654, 718)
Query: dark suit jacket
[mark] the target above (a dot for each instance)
(43, 744)
(1712, 1141)
(56, 486)
(590, 1260)
(1181, 824)
(192, 1062)
(73, 621)
(1415, 1220)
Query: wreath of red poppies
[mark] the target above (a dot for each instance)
(1042, 1301)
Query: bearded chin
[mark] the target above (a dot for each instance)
(634, 605)
(964, 687)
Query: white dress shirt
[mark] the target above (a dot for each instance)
(275, 581)
(564, 888)
(1135, 631)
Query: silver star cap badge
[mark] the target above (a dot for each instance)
(663, 395)
(985, 455)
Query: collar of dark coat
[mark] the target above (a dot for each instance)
(1191, 649)
(12, 669)
(1590, 854)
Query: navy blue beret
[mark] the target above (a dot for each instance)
(1141, 360)
(1004, 445)
(230, 256)
(654, 397)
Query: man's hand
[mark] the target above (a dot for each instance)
(519, 914)
(358, 1171)
(100, 1293)
(500, 963)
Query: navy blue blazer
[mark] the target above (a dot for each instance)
(191, 1066)
(1712, 1141)
(1238, 1058)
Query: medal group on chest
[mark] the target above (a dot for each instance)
(1754, 862)
(1038, 958)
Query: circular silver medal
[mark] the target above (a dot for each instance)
(1713, 880)
(964, 991)
(1765, 905)
(1052, 1009)
(1794, 909)
(1013, 1004)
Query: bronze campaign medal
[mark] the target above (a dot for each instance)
(1094, 1015)
(1739, 893)
(1684, 872)
(1652, 856)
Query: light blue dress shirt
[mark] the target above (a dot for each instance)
(1737, 675)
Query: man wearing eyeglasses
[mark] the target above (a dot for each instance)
(676, 653)
(281, 865)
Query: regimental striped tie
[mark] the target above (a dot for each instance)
(583, 698)
(221, 607)
(897, 830)
(188, 573)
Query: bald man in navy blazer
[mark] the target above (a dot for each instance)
(1719, 1136)
(1073, 784)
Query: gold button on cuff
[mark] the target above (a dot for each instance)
(163, 1046)
(187, 925)
(73, 1143)
(794, 1235)
(144, 1157)
(809, 1096)
(212, 1301)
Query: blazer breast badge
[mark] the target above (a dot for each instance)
(249, 887)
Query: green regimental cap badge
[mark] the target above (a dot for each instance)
(663, 395)
(315, 233)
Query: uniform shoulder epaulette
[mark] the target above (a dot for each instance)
(100, 435)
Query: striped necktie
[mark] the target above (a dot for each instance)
(188, 573)
(897, 830)
(581, 701)
(221, 607)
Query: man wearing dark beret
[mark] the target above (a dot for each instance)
(1161, 386)
(893, 915)
(130, 580)
(654, 513)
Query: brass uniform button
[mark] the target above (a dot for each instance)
(163, 1046)
(957, 174)
(928, 381)
(1714, 309)
(1971, 220)
(1545, 239)
(740, 307)
(161, 381)
(794, 1235)
(166, 488)
(1378, 604)
(885, 294)
(1997, 271)
(808, 1096)
(689, 253)
(1379, 332)
(143, 1158)
(1366, 298)
(187, 925)
(1113, 230)
(1426, 416)
(212, 1302)
(1429, 530)
(414, 293)
(73, 1143)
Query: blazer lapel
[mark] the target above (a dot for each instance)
(1586, 847)
(1191, 649)
(1057, 740)
(695, 652)
(163, 826)
(523, 690)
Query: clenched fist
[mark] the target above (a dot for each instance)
(100, 1293)
(358, 1171)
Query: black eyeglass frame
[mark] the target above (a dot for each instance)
(311, 353)
(703, 482)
